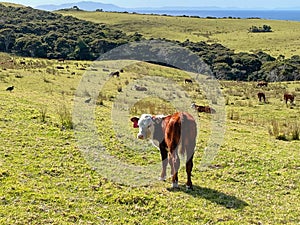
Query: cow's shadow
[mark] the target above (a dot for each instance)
(220, 198)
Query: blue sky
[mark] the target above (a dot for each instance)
(259, 4)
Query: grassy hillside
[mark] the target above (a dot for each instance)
(45, 178)
(232, 33)
(11, 4)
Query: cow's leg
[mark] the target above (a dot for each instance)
(174, 161)
(189, 167)
(164, 160)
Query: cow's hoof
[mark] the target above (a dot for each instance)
(175, 185)
(189, 188)
(163, 178)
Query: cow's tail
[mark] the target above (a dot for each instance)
(181, 146)
(188, 136)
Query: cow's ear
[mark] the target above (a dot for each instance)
(135, 121)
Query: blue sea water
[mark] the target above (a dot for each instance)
(293, 15)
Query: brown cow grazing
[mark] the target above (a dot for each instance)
(289, 97)
(262, 84)
(114, 74)
(188, 81)
(172, 134)
(205, 109)
(261, 96)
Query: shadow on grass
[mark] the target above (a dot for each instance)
(220, 198)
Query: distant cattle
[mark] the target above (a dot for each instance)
(23, 63)
(262, 84)
(205, 109)
(188, 81)
(172, 134)
(289, 97)
(261, 96)
(105, 70)
(88, 100)
(60, 67)
(139, 88)
(114, 74)
(10, 88)
(61, 60)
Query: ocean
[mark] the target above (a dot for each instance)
(293, 15)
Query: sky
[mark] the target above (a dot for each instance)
(258, 4)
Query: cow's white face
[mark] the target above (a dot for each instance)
(146, 127)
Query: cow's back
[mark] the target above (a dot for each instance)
(180, 128)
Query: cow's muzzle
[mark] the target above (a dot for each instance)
(140, 136)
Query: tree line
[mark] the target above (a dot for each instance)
(34, 33)
(29, 32)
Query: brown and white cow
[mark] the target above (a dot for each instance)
(289, 97)
(262, 84)
(201, 108)
(172, 134)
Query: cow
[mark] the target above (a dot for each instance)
(172, 134)
(205, 109)
(188, 81)
(139, 88)
(289, 97)
(10, 88)
(261, 96)
(114, 74)
(262, 84)
(88, 100)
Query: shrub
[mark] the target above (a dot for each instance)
(65, 117)
(295, 131)
(264, 28)
(43, 112)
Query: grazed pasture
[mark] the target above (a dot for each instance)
(46, 180)
(232, 33)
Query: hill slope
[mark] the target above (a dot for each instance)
(232, 33)
(45, 178)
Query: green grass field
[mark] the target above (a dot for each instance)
(232, 33)
(45, 178)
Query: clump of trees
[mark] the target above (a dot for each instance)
(225, 64)
(264, 28)
(29, 32)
